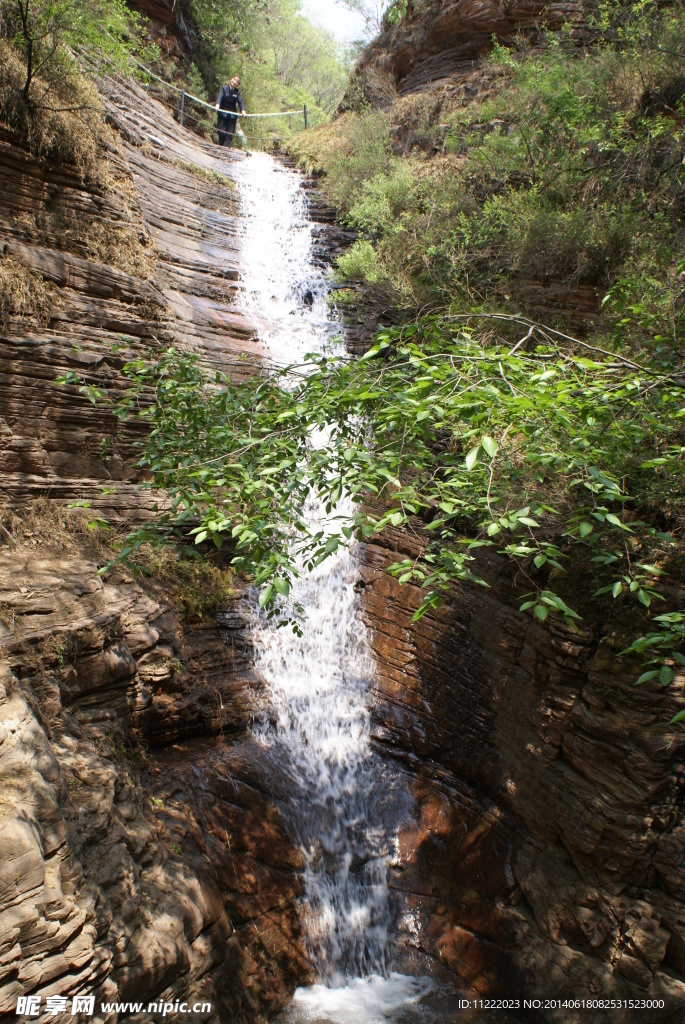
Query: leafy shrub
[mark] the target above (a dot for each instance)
(353, 150)
(565, 168)
(382, 200)
(528, 236)
(360, 263)
(196, 586)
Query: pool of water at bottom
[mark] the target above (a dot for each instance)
(397, 999)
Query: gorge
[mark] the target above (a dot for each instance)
(367, 822)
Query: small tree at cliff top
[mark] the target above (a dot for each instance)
(371, 11)
(45, 45)
(49, 33)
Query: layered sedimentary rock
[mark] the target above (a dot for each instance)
(545, 855)
(170, 219)
(440, 43)
(140, 857)
(131, 872)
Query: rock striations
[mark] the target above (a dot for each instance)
(440, 43)
(141, 858)
(545, 853)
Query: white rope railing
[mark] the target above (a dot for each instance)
(212, 106)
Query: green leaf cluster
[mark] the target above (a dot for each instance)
(538, 457)
(51, 34)
(49, 49)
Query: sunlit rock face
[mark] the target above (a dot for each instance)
(141, 857)
(544, 845)
(440, 44)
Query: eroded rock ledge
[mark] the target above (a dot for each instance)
(440, 44)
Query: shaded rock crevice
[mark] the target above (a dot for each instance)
(560, 802)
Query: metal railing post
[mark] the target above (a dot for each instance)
(305, 115)
(183, 106)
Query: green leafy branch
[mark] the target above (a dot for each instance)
(468, 442)
(667, 645)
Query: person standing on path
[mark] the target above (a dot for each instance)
(228, 103)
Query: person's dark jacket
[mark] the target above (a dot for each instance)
(230, 100)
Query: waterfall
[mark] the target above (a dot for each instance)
(317, 722)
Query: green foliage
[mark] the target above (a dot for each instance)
(541, 457)
(566, 170)
(355, 148)
(384, 199)
(283, 59)
(47, 32)
(360, 262)
(195, 83)
(396, 11)
(669, 648)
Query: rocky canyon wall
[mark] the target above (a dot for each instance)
(545, 854)
(547, 851)
(140, 857)
(439, 44)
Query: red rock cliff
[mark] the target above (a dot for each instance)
(440, 42)
(545, 855)
(141, 858)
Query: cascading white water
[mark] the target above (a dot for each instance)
(317, 724)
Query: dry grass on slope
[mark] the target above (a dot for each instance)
(23, 294)
(196, 587)
(65, 125)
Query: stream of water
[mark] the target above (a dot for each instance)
(345, 801)
(317, 722)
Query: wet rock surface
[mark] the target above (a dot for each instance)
(168, 202)
(541, 856)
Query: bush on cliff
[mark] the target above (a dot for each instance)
(24, 295)
(44, 97)
(565, 168)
